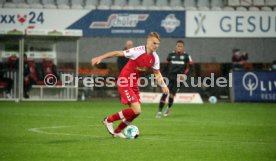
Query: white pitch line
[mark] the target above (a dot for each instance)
(41, 131)
(46, 115)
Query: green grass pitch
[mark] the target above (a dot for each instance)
(73, 131)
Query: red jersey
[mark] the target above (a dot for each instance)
(139, 62)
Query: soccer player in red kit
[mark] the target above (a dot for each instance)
(141, 59)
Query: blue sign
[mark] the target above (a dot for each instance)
(131, 23)
(257, 86)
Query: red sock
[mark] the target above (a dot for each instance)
(122, 125)
(113, 117)
(128, 113)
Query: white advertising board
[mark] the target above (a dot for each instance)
(38, 18)
(150, 97)
(230, 24)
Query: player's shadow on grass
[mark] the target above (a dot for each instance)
(178, 115)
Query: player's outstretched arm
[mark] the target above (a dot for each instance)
(161, 82)
(98, 60)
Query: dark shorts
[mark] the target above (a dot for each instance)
(173, 86)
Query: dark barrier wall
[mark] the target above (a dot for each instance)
(208, 50)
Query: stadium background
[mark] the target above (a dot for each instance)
(34, 129)
(227, 25)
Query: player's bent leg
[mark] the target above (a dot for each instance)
(136, 107)
(171, 99)
(108, 122)
(170, 103)
(162, 102)
(130, 96)
(109, 126)
(127, 116)
(161, 105)
(124, 115)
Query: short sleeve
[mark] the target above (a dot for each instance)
(156, 64)
(135, 52)
(190, 61)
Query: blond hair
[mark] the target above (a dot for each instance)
(154, 34)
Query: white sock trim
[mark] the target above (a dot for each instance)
(126, 122)
(122, 117)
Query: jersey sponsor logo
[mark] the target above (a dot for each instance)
(150, 61)
(141, 69)
(178, 62)
(181, 57)
(170, 23)
(120, 20)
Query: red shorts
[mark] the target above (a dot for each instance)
(129, 94)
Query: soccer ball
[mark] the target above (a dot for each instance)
(131, 132)
(213, 99)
